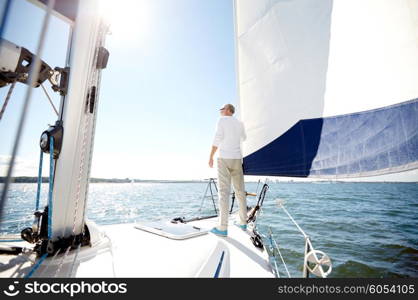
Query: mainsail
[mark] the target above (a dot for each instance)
(328, 88)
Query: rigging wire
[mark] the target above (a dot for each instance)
(308, 243)
(50, 100)
(294, 222)
(276, 246)
(6, 100)
(204, 196)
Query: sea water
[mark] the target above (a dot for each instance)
(367, 229)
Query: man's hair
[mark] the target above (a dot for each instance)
(230, 107)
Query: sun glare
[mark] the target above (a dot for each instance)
(128, 19)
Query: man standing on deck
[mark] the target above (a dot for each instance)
(229, 133)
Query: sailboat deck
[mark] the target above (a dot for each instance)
(126, 251)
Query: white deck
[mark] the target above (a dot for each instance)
(125, 251)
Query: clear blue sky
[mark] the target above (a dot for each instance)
(160, 93)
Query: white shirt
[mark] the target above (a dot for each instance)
(229, 132)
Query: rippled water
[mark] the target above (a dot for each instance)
(368, 229)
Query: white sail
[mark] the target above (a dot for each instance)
(311, 77)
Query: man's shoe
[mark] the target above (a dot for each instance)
(219, 232)
(243, 227)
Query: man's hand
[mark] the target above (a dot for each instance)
(211, 162)
(212, 153)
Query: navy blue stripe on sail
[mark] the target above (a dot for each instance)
(374, 142)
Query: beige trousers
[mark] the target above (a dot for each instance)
(231, 169)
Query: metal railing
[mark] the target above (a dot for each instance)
(315, 262)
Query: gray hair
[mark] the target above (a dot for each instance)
(229, 107)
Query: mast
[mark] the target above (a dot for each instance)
(78, 115)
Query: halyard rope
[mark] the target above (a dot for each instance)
(36, 266)
(50, 263)
(51, 185)
(38, 189)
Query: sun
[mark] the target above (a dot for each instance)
(128, 19)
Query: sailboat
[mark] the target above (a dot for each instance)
(321, 96)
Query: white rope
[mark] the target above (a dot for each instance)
(81, 169)
(6, 100)
(62, 261)
(50, 263)
(50, 100)
(74, 260)
(276, 268)
(294, 222)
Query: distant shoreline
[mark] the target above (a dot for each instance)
(28, 179)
